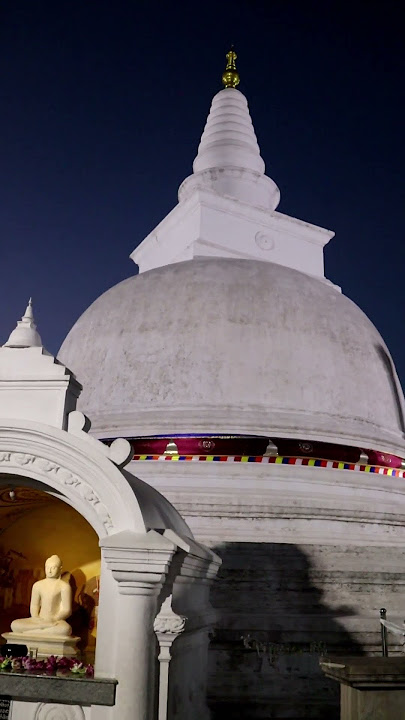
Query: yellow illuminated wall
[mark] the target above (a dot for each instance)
(53, 528)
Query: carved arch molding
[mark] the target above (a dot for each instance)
(67, 481)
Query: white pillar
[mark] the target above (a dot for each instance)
(139, 564)
(136, 644)
(168, 626)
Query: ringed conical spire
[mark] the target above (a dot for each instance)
(25, 334)
(229, 139)
(228, 158)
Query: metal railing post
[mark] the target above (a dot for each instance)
(384, 646)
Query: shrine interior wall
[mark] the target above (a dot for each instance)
(49, 526)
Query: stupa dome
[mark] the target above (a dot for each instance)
(231, 327)
(225, 345)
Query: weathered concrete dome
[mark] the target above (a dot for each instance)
(235, 346)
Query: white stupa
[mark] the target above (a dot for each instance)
(25, 333)
(228, 347)
(231, 326)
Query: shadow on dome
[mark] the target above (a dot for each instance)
(394, 382)
(275, 624)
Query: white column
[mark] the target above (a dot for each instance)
(168, 626)
(136, 653)
(139, 564)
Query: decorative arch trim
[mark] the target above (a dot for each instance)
(76, 467)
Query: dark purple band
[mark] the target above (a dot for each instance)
(257, 446)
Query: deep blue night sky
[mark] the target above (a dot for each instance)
(102, 106)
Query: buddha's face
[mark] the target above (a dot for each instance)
(53, 567)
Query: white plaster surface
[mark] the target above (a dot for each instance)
(34, 386)
(281, 503)
(205, 224)
(147, 549)
(225, 345)
(228, 158)
(229, 138)
(231, 327)
(309, 557)
(49, 711)
(25, 334)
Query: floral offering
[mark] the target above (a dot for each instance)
(48, 666)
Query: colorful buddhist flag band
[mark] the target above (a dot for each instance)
(279, 460)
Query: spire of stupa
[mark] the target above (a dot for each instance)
(228, 159)
(227, 206)
(230, 76)
(25, 334)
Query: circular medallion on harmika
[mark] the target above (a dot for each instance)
(264, 241)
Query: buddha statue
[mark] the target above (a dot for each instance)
(51, 604)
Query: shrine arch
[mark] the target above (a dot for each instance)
(74, 466)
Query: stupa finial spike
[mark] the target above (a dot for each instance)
(29, 313)
(25, 334)
(230, 77)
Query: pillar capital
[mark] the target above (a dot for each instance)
(138, 562)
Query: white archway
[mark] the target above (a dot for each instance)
(86, 474)
(76, 466)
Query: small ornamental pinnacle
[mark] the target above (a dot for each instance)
(230, 78)
(25, 334)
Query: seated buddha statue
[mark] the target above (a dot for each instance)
(51, 604)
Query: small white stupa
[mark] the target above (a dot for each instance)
(26, 333)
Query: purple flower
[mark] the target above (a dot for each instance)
(29, 663)
(65, 663)
(48, 666)
(51, 663)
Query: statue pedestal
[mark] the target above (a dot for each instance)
(370, 687)
(43, 646)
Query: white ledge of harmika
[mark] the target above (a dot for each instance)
(196, 224)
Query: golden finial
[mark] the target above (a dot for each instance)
(230, 77)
